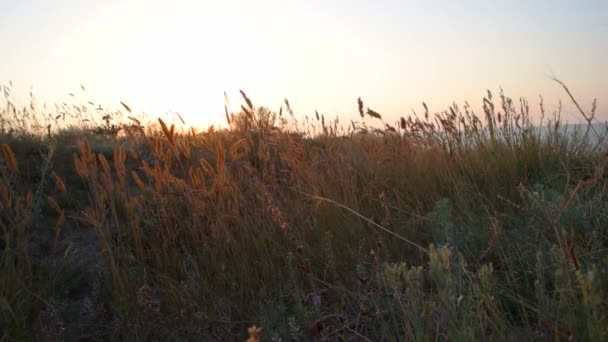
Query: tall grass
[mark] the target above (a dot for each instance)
(448, 225)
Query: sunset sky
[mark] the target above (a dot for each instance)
(181, 55)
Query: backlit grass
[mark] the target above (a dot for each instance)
(454, 225)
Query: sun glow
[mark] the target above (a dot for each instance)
(186, 64)
(180, 56)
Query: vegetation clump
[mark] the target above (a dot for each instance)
(447, 225)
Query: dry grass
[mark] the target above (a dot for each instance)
(447, 225)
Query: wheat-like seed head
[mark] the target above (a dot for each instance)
(196, 177)
(85, 151)
(236, 147)
(184, 147)
(53, 204)
(104, 164)
(120, 156)
(157, 147)
(138, 180)
(221, 157)
(169, 133)
(247, 100)
(206, 167)
(80, 166)
(254, 333)
(59, 183)
(180, 118)
(9, 157)
(106, 183)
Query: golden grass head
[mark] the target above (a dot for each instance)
(105, 166)
(120, 156)
(54, 205)
(59, 183)
(254, 333)
(140, 184)
(247, 100)
(80, 166)
(221, 158)
(169, 132)
(206, 167)
(85, 150)
(236, 148)
(374, 114)
(9, 157)
(184, 147)
(360, 105)
(196, 177)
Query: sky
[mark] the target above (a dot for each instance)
(180, 55)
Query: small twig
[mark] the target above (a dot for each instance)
(358, 334)
(354, 212)
(589, 118)
(594, 252)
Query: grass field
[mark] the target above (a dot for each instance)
(447, 226)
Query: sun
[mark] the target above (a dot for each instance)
(170, 68)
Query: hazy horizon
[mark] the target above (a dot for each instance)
(182, 55)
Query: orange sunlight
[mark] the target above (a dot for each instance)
(186, 65)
